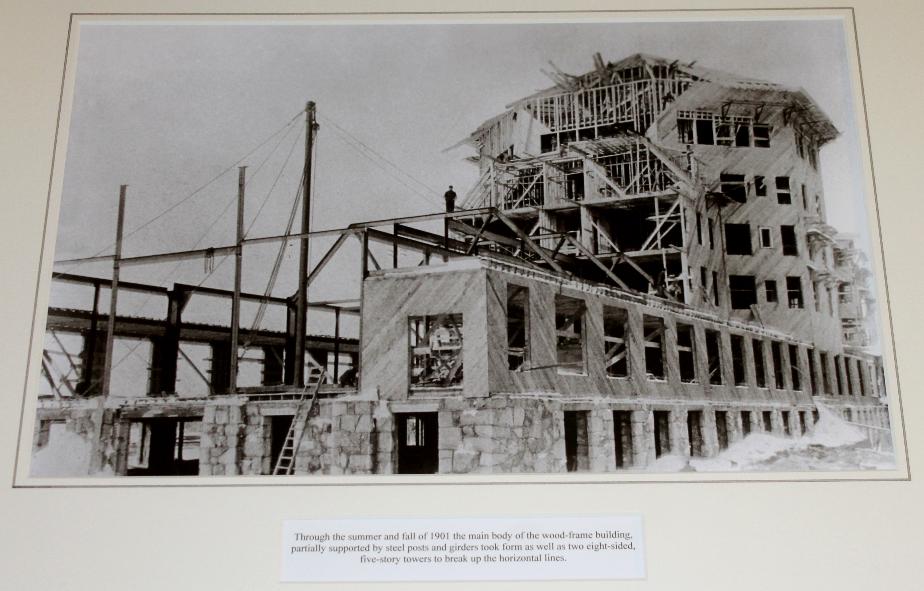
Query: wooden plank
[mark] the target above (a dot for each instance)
(528, 242)
(597, 262)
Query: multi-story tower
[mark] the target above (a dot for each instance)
(676, 180)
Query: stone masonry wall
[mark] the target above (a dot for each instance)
(501, 435)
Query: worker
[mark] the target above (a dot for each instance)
(450, 197)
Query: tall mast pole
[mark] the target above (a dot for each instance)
(114, 294)
(301, 310)
(236, 296)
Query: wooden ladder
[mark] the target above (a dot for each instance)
(285, 463)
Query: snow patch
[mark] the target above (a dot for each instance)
(65, 454)
(835, 445)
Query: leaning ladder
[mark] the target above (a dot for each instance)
(285, 463)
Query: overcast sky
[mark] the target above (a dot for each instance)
(165, 108)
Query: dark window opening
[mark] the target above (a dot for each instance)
(838, 366)
(715, 288)
(813, 376)
(695, 432)
(576, 449)
(803, 428)
(721, 428)
(654, 347)
(662, 432)
(622, 436)
(795, 372)
(436, 350)
(569, 327)
(165, 446)
(574, 186)
(746, 422)
(767, 420)
(699, 227)
(738, 365)
(548, 142)
(733, 187)
(713, 357)
(711, 232)
(815, 416)
(743, 291)
(794, 292)
(742, 135)
(685, 130)
(761, 135)
(760, 368)
(517, 327)
(278, 432)
(783, 195)
(723, 133)
(686, 353)
(826, 373)
(760, 186)
(704, 132)
(771, 291)
(788, 240)
(418, 446)
(785, 417)
(738, 239)
(776, 352)
(615, 343)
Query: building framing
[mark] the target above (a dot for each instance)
(643, 268)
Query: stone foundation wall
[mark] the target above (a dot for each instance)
(500, 435)
(348, 437)
(222, 442)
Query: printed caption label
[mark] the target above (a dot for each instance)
(477, 549)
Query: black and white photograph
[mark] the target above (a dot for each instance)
(609, 247)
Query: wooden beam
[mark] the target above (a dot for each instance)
(583, 250)
(528, 242)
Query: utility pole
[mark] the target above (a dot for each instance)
(236, 296)
(114, 294)
(301, 311)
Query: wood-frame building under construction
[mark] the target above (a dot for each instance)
(644, 268)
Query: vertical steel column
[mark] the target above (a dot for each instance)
(114, 293)
(236, 296)
(301, 312)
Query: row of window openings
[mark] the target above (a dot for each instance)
(743, 293)
(736, 188)
(738, 237)
(577, 436)
(743, 290)
(709, 129)
(569, 325)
